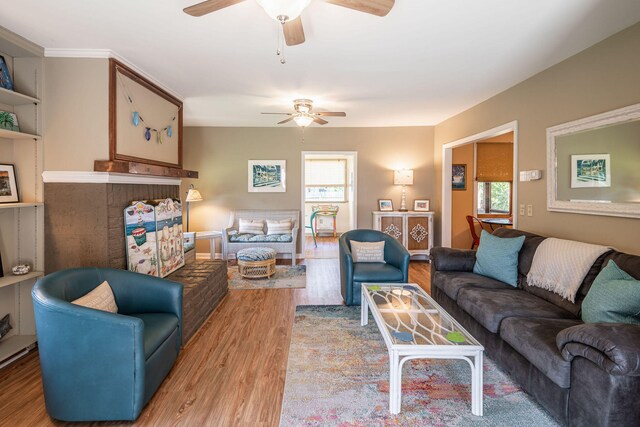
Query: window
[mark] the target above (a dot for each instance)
(494, 198)
(325, 180)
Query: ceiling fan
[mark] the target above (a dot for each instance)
(287, 12)
(304, 115)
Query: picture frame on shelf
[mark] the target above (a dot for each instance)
(267, 176)
(9, 121)
(421, 205)
(590, 170)
(459, 177)
(8, 184)
(5, 77)
(385, 205)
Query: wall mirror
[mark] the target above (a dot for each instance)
(593, 164)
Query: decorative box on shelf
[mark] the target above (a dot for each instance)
(413, 229)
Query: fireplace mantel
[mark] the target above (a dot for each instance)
(89, 177)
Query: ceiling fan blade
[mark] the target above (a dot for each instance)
(285, 121)
(320, 121)
(374, 7)
(293, 32)
(330, 113)
(284, 114)
(209, 6)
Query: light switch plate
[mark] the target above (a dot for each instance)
(522, 209)
(529, 210)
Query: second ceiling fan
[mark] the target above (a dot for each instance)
(287, 12)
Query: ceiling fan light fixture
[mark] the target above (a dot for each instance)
(303, 120)
(284, 10)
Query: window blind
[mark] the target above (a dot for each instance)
(325, 172)
(494, 162)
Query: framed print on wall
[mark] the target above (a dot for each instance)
(459, 177)
(590, 170)
(421, 205)
(8, 185)
(385, 205)
(267, 176)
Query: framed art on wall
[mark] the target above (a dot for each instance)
(8, 185)
(590, 170)
(421, 205)
(267, 176)
(459, 177)
(385, 205)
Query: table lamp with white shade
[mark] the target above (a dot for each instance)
(193, 195)
(403, 177)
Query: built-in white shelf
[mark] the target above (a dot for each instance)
(12, 345)
(10, 279)
(10, 97)
(20, 205)
(4, 133)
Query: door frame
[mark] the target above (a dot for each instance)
(447, 160)
(354, 214)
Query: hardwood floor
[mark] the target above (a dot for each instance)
(231, 373)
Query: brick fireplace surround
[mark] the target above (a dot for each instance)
(84, 227)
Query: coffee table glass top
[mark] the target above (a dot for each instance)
(412, 317)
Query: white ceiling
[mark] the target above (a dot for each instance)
(424, 62)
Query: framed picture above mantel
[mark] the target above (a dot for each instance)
(145, 121)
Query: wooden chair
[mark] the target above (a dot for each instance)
(472, 220)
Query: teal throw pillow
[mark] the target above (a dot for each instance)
(614, 297)
(497, 257)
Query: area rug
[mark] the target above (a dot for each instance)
(338, 375)
(286, 277)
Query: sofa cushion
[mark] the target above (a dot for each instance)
(157, 328)
(451, 282)
(376, 272)
(535, 339)
(613, 298)
(250, 226)
(497, 257)
(490, 306)
(248, 238)
(528, 250)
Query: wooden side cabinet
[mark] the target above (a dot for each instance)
(413, 229)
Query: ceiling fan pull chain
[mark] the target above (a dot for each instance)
(280, 50)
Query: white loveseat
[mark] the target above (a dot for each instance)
(232, 241)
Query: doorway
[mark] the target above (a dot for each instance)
(475, 197)
(329, 189)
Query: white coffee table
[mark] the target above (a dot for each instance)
(414, 326)
(211, 236)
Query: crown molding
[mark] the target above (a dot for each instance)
(106, 54)
(87, 177)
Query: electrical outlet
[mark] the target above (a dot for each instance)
(529, 210)
(522, 209)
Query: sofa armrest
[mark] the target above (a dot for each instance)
(614, 347)
(449, 259)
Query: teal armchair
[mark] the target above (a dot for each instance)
(98, 365)
(395, 269)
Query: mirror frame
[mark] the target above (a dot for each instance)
(621, 115)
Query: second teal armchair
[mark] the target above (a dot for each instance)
(98, 365)
(395, 269)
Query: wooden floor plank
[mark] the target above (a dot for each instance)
(231, 373)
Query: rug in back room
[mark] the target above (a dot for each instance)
(286, 276)
(338, 375)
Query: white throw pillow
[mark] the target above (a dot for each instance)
(279, 227)
(367, 251)
(250, 226)
(101, 298)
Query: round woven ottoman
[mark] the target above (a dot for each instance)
(254, 263)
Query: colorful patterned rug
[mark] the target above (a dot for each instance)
(338, 375)
(286, 277)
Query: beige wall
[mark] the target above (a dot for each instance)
(601, 78)
(462, 200)
(76, 113)
(220, 155)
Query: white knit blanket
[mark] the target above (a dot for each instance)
(561, 265)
